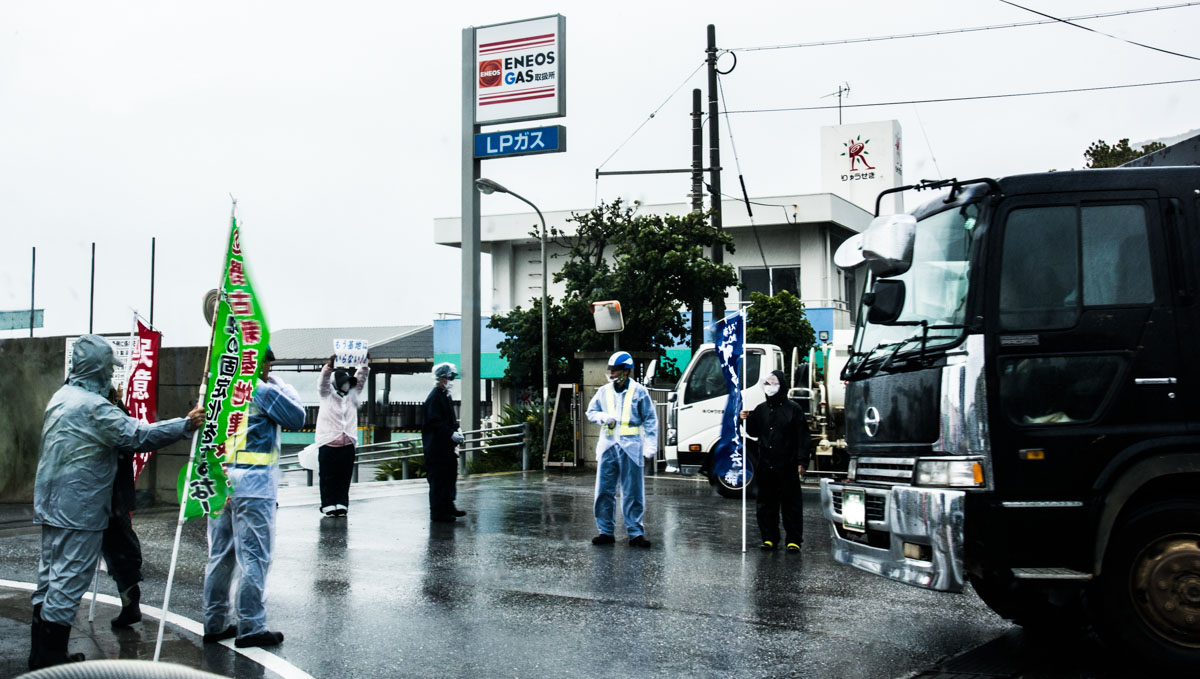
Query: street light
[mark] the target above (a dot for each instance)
(487, 187)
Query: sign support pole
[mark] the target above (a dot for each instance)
(471, 305)
(32, 287)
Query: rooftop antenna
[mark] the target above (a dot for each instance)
(843, 89)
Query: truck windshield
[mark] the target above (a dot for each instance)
(935, 293)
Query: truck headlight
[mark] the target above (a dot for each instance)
(949, 473)
(672, 437)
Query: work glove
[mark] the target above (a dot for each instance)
(610, 422)
(457, 437)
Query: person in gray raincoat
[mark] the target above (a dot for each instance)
(72, 495)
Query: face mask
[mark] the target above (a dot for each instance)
(771, 389)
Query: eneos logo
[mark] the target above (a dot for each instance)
(490, 73)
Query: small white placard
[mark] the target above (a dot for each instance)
(349, 353)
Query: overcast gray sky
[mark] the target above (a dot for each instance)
(336, 126)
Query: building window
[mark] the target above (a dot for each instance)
(770, 280)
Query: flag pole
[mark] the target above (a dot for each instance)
(95, 584)
(162, 621)
(742, 404)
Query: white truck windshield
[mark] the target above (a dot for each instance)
(935, 290)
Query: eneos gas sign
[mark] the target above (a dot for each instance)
(522, 70)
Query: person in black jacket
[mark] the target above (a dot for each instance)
(439, 436)
(120, 547)
(783, 452)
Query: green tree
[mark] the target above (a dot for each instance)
(653, 264)
(1100, 154)
(522, 345)
(779, 320)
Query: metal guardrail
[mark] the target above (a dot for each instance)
(487, 438)
(477, 441)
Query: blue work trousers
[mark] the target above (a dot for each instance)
(616, 466)
(65, 571)
(241, 535)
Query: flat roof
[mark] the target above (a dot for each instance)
(308, 346)
(794, 210)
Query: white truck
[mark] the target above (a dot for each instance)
(694, 408)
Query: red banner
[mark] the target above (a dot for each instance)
(141, 393)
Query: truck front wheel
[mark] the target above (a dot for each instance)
(1151, 584)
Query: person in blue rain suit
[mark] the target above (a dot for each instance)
(82, 432)
(243, 533)
(440, 434)
(628, 434)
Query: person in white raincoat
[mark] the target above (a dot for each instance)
(337, 433)
(72, 494)
(628, 434)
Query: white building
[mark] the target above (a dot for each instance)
(790, 245)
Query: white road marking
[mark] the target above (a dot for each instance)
(259, 655)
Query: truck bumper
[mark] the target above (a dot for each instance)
(929, 519)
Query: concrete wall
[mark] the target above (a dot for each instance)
(31, 370)
(179, 373)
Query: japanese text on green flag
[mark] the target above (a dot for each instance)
(240, 339)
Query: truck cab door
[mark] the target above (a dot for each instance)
(1083, 355)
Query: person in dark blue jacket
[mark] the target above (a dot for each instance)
(439, 436)
(782, 445)
(243, 533)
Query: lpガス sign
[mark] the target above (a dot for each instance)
(522, 70)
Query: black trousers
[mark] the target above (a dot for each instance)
(337, 469)
(122, 551)
(442, 473)
(779, 490)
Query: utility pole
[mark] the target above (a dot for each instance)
(697, 329)
(152, 281)
(92, 294)
(714, 163)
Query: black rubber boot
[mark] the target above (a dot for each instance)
(35, 632)
(264, 638)
(131, 610)
(52, 645)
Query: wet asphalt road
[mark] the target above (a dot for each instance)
(517, 590)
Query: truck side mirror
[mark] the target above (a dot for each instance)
(672, 397)
(885, 301)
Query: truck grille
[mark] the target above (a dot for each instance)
(876, 505)
(886, 470)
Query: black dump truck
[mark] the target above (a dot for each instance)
(1023, 403)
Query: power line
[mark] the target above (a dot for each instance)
(596, 198)
(950, 31)
(652, 114)
(738, 164)
(950, 99)
(1092, 30)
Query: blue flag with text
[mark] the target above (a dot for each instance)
(730, 465)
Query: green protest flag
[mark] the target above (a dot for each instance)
(239, 343)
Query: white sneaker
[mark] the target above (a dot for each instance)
(340, 510)
(329, 510)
